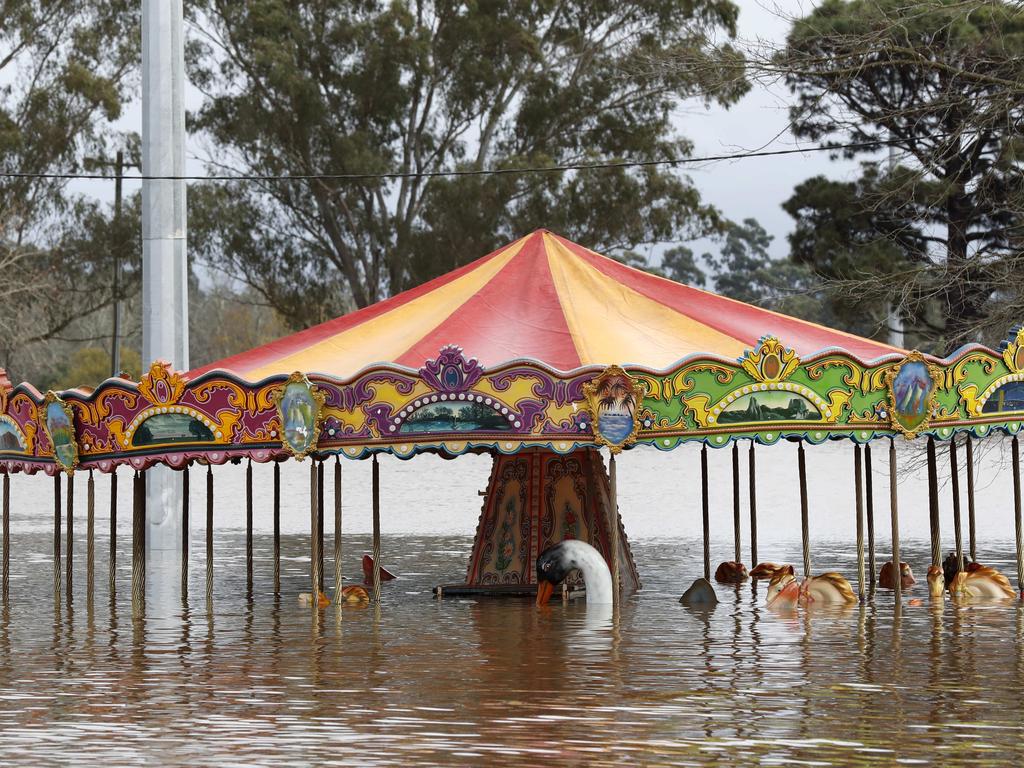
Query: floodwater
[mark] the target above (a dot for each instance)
(254, 679)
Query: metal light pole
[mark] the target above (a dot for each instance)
(164, 265)
(119, 166)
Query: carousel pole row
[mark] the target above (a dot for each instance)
(859, 499)
(70, 547)
(56, 536)
(804, 526)
(870, 499)
(736, 501)
(933, 503)
(209, 536)
(376, 530)
(6, 571)
(337, 531)
(185, 528)
(90, 529)
(954, 471)
(752, 479)
(894, 511)
(112, 562)
(314, 555)
(139, 540)
(705, 510)
(248, 527)
(277, 528)
(613, 513)
(970, 498)
(1019, 529)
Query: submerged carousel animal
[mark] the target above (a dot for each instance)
(355, 595)
(952, 565)
(306, 598)
(700, 595)
(557, 562)
(784, 591)
(731, 572)
(767, 570)
(936, 581)
(981, 582)
(887, 576)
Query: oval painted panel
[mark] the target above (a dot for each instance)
(298, 417)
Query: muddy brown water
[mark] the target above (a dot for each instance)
(265, 681)
(260, 680)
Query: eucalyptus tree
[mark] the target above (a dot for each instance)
(409, 101)
(66, 69)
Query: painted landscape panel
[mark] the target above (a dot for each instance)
(773, 405)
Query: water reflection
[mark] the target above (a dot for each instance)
(260, 678)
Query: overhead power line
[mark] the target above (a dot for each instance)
(598, 165)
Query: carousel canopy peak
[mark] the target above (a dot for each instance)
(547, 299)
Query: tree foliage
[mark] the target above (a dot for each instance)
(66, 68)
(937, 232)
(418, 88)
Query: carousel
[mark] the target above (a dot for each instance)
(544, 355)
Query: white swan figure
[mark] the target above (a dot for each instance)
(555, 563)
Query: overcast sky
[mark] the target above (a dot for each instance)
(753, 187)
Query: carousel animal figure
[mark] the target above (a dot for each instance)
(783, 589)
(766, 570)
(952, 565)
(700, 595)
(827, 589)
(731, 572)
(355, 595)
(558, 561)
(887, 576)
(936, 581)
(981, 582)
(306, 598)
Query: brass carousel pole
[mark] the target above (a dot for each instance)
(277, 528)
(705, 509)
(70, 512)
(954, 471)
(248, 527)
(933, 503)
(870, 499)
(894, 510)
(859, 498)
(209, 536)
(314, 555)
(6, 536)
(1017, 516)
(139, 541)
(753, 505)
(737, 556)
(320, 524)
(337, 531)
(376, 530)
(112, 562)
(804, 527)
(90, 530)
(185, 528)
(613, 513)
(970, 499)
(57, 577)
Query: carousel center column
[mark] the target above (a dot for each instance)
(164, 265)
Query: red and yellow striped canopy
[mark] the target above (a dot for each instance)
(547, 299)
